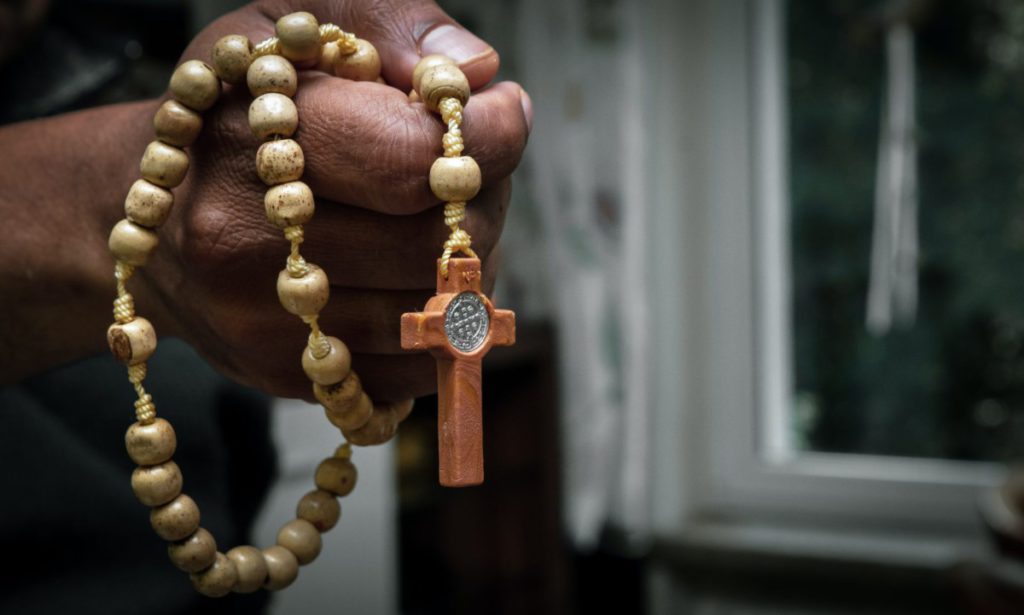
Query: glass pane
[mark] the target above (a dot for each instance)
(950, 383)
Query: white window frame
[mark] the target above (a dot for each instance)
(725, 103)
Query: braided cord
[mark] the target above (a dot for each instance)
(454, 212)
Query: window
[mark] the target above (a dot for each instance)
(759, 239)
(948, 382)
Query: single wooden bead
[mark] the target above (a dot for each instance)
(148, 204)
(304, 296)
(403, 408)
(336, 475)
(321, 508)
(340, 397)
(282, 567)
(175, 520)
(157, 485)
(164, 165)
(299, 34)
(150, 444)
(430, 61)
(289, 204)
(132, 342)
(279, 162)
(195, 85)
(132, 243)
(272, 75)
(251, 568)
(361, 65)
(301, 538)
(329, 53)
(443, 81)
(355, 416)
(331, 368)
(195, 553)
(455, 179)
(379, 429)
(273, 115)
(218, 580)
(176, 124)
(231, 57)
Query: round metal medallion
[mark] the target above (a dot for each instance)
(466, 322)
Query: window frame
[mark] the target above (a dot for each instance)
(736, 464)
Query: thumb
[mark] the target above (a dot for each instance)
(403, 31)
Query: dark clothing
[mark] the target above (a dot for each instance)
(74, 538)
(73, 535)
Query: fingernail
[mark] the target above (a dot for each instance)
(524, 99)
(454, 42)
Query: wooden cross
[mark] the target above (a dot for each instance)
(459, 326)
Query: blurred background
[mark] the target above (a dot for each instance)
(765, 259)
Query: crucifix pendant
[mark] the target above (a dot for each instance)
(459, 326)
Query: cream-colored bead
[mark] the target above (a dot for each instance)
(195, 553)
(443, 81)
(132, 243)
(251, 568)
(175, 520)
(329, 53)
(355, 416)
(231, 57)
(132, 342)
(176, 124)
(282, 567)
(301, 538)
(289, 204)
(273, 115)
(340, 397)
(336, 475)
(321, 508)
(148, 204)
(217, 580)
(150, 444)
(403, 408)
(299, 34)
(361, 65)
(455, 179)
(331, 368)
(157, 485)
(164, 165)
(379, 429)
(430, 61)
(195, 85)
(304, 296)
(272, 75)
(279, 162)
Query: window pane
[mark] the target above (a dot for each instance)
(951, 382)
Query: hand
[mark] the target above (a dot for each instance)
(377, 230)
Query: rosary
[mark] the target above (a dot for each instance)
(458, 325)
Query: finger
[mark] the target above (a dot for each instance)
(398, 252)
(385, 378)
(403, 31)
(226, 245)
(366, 145)
(369, 321)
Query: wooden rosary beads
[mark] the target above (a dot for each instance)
(269, 71)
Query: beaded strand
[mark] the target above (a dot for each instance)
(268, 69)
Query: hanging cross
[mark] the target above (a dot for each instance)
(459, 326)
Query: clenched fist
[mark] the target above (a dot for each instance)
(377, 231)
